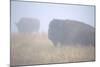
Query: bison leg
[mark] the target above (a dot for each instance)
(55, 43)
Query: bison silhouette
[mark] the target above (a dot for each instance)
(70, 32)
(28, 25)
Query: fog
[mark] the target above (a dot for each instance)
(46, 12)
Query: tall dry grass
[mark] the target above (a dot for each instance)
(36, 48)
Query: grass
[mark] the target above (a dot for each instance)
(36, 48)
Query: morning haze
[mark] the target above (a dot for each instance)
(44, 33)
(47, 12)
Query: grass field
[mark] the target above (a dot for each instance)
(36, 48)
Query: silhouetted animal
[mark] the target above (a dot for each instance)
(28, 25)
(67, 32)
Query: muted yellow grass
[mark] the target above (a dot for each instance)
(38, 49)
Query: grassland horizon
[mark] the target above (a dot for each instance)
(36, 48)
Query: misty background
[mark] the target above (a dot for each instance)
(46, 12)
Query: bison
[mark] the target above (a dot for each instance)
(28, 25)
(70, 32)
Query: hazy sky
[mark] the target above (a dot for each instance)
(46, 12)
